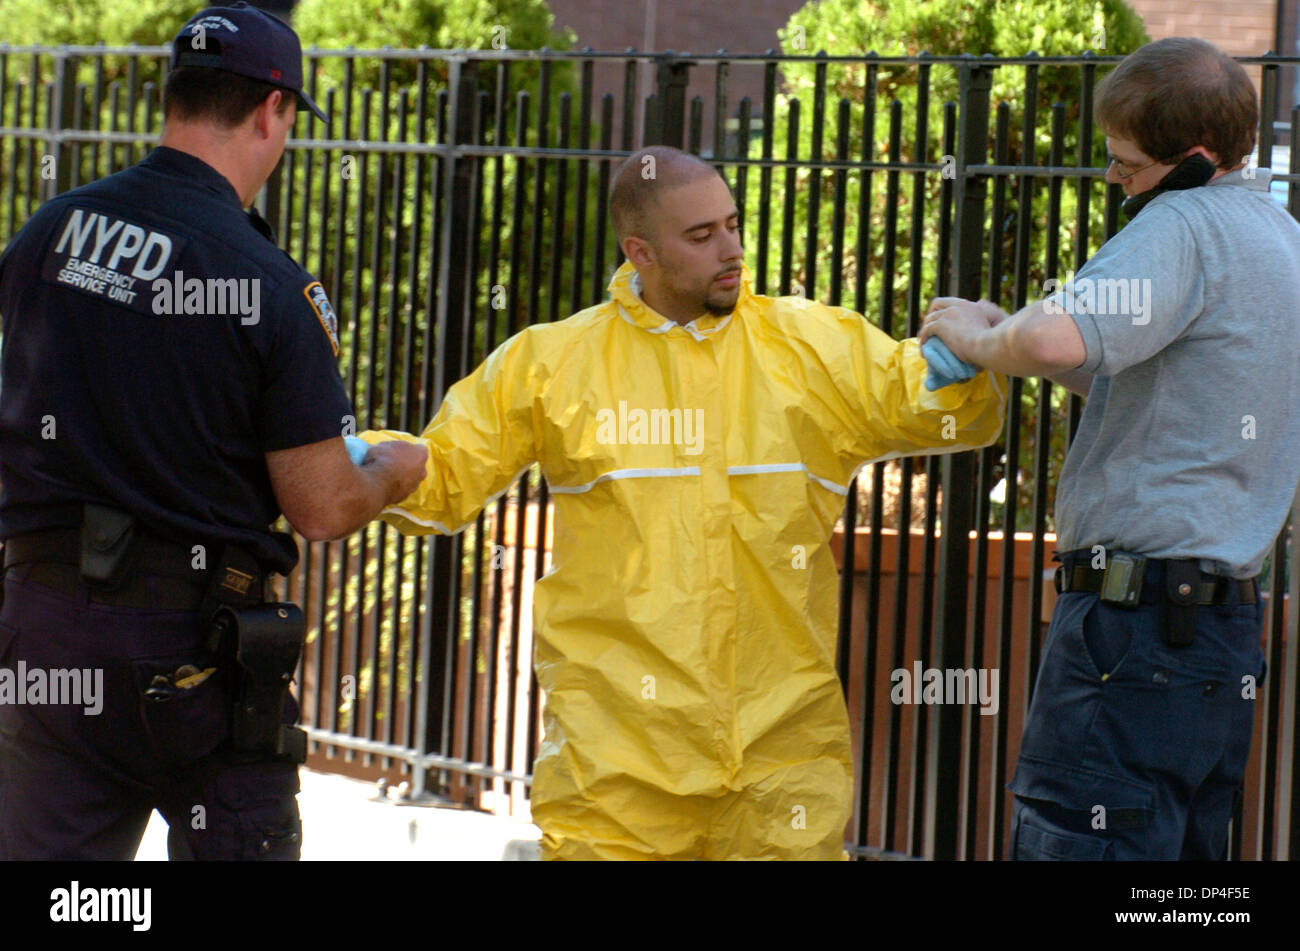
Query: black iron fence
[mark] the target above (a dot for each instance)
(457, 197)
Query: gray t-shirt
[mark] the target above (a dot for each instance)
(1189, 445)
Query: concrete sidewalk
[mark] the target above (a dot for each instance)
(343, 820)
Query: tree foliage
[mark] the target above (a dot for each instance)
(436, 24)
(86, 22)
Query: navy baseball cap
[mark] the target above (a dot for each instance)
(244, 40)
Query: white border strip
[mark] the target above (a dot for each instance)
(789, 467)
(625, 474)
(760, 469)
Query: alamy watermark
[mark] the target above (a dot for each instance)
(654, 427)
(36, 686)
(1101, 297)
(210, 297)
(953, 685)
(85, 904)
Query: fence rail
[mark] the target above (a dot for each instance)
(459, 196)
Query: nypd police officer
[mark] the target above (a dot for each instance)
(170, 388)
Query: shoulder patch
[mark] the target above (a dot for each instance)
(320, 303)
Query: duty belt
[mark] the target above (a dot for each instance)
(112, 559)
(162, 574)
(1211, 589)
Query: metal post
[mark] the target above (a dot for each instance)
(1269, 75)
(943, 772)
(61, 118)
(1289, 821)
(673, 76)
(1288, 806)
(454, 288)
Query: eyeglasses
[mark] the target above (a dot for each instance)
(1121, 169)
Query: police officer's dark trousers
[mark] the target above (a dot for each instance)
(80, 783)
(1135, 749)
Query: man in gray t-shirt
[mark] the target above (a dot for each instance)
(1182, 332)
(1189, 446)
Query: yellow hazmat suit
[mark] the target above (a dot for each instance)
(686, 630)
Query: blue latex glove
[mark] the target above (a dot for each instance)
(357, 448)
(944, 367)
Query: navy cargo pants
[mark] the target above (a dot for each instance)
(1134, 749)
(76, 783)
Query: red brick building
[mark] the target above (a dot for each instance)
(1241, 27)
(745, 26)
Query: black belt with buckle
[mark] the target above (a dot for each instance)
(1210, 589)
(162, 574)
(114, 561)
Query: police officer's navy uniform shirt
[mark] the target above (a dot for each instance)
(156, 346)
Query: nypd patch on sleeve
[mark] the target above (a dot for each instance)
(109, 257)
(320, 303)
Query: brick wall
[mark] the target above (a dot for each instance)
(1239, 27)
(743, 26)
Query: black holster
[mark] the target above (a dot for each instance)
(1179, 608)
(264, 643)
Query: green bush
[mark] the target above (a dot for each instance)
(436, 24)
(86, 22)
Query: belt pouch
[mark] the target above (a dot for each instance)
(1182, 579)
(106, 537)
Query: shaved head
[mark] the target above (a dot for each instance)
(678, 225)
(642, 180)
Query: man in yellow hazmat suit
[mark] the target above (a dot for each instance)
(699, 441)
